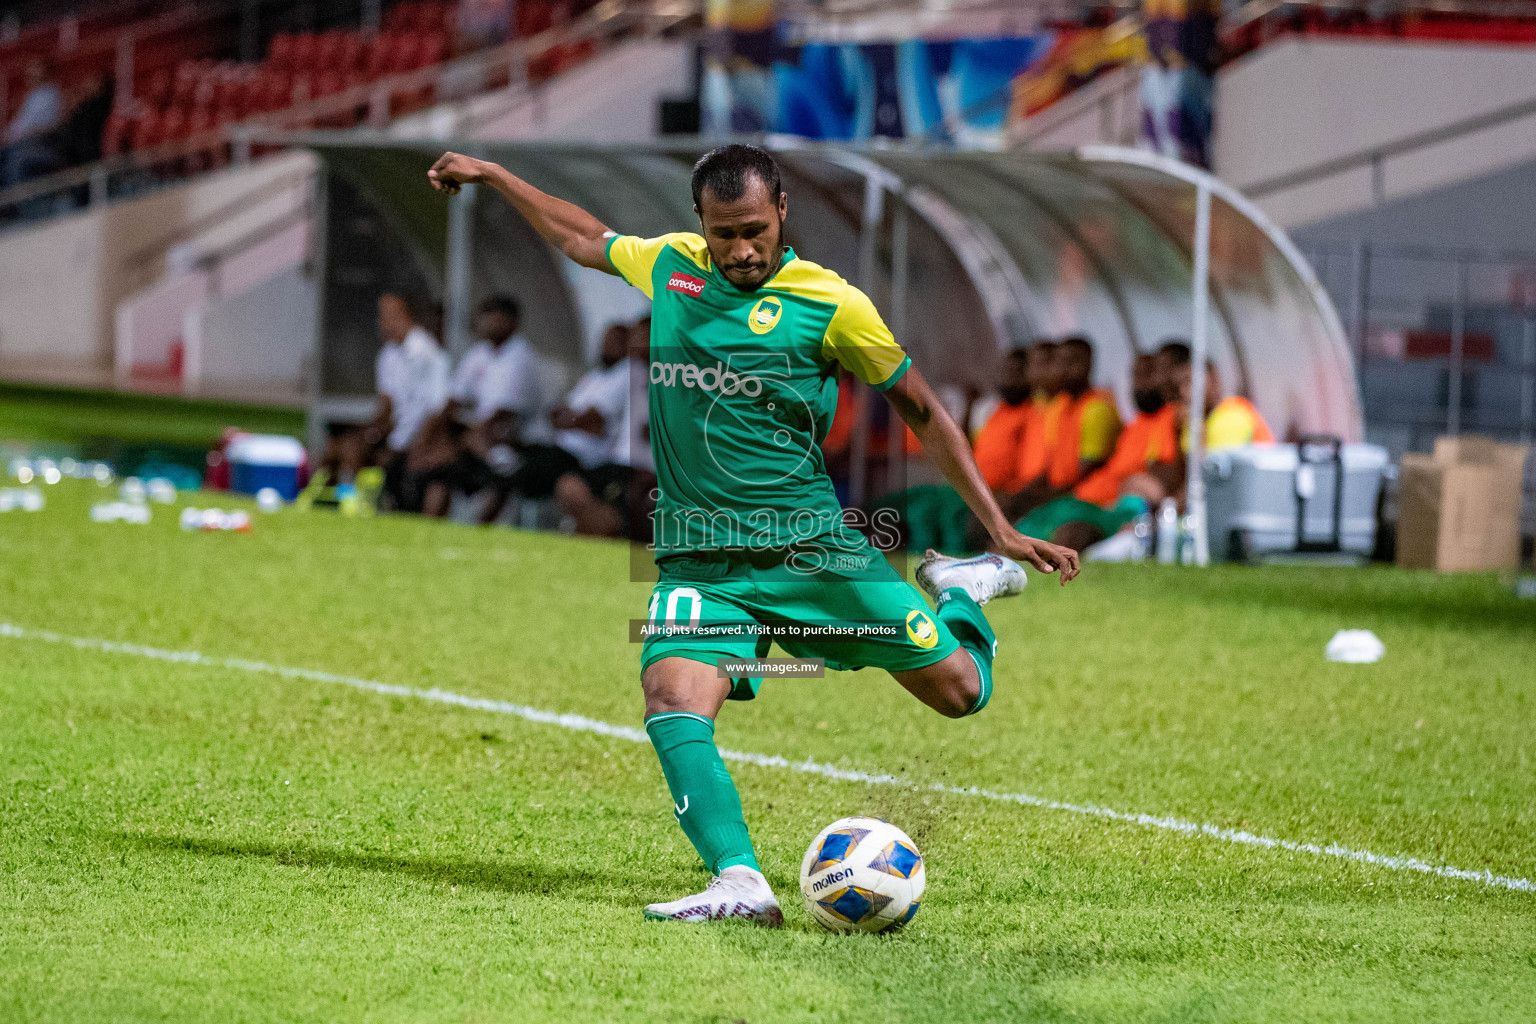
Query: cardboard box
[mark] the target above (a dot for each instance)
(1459, 509)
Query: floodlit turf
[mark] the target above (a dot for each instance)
(70, 416)
(195, 842)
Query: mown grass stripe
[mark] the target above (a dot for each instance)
(583, 724)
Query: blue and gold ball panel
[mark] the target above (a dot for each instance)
(837, 846)
(897, 859)
(854, 904)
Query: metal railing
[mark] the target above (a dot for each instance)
(371, 104)
(1375, 157)
(1105, 98)
(1382, 290)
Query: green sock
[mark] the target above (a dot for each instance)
(703, 795)
(968, 623)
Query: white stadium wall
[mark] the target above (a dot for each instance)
(1297, 103)
(103, 257)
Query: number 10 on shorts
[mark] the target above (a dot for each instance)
(675, 596)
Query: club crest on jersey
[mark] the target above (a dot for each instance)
(765, 315)
(686, 283)
(920, 629)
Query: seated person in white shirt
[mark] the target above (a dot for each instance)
(561, 440)
(608, 494)
(411, 376)
(480, 413)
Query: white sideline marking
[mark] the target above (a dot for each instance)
(583, 724)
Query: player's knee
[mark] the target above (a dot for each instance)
(674, 684)
(960, 692)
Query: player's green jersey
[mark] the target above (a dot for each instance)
(743, 387)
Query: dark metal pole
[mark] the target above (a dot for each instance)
(1458, 345)
(1528, 379)
(896, 441)
(1362, 308)
(456, 287)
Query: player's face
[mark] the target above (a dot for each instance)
(1146, 383)
(1074, 367)
(1041, 363)
(745, 236)
(1013, 384)
(615, 342)
(494, 326)
(394, 318)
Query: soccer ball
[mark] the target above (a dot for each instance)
(862, 875)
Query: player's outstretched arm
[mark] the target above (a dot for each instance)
(564, 225)
(917, 405)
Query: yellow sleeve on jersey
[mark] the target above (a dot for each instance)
(1097, 431)
(859, 340)
(1228, 426)
(634, 258)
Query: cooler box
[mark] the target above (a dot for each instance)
(1257, 497)
(265, 460)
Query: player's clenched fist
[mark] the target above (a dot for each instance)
(453, 171)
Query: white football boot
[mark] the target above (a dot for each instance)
(983, 576)
(737, 891)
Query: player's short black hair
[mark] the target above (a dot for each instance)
(506, 305)
(724, 170)
(1176, 352)
(1078, 342)
(416, 307)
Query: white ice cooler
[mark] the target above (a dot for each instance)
(1258, 495)
(265, 460)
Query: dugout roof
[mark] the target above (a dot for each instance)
(967, 255)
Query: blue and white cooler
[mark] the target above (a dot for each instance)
(1316, 497)
(265, 460)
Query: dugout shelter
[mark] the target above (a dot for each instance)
(965, 254)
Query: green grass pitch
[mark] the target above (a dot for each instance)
(194, 841)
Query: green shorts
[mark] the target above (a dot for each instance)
(1044, 521)
(732, 589)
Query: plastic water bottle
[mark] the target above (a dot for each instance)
(161, 490)
(1168, 531)
(1187, 540)
(212, 520)
(120, 512)
(13, 498)
(1142, 528)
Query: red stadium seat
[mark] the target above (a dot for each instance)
(328, 50)
(116, 135)
(158, 92)
(280, 53)
(148, 130)
(304, 52)
(350, 55)
(173, 124)
(328, 82)
(199, 120)
(431, 49)
(380, 52)
(407, 53)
